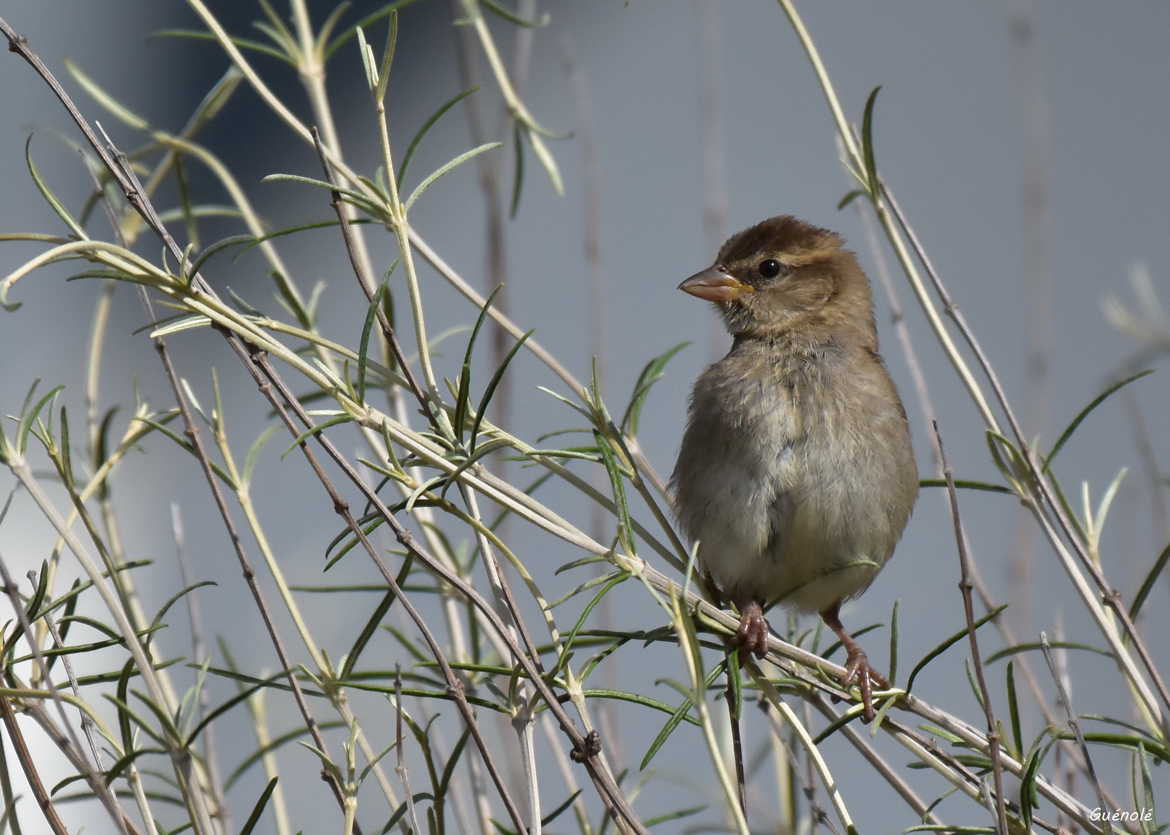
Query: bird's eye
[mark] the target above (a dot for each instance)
(769, 268)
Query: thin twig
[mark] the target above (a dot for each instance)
(1070, 717)
(88, 770)
(137, 199)
(479, 480)
(1039, 481)
(455, 687)
(993, 743)
(857, 740)
(31, 774)
(684, 629)
(922, 389)
(191, 429)
(495, 241)
(882, 198)
(508, 610)
(366, 282)
(87, 724)
(733, 719)
(199, 655)
(601, 775)
(400, 767)
(772, 695)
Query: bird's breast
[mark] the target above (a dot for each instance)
(788, 477)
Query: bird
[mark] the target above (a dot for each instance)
(796, 473)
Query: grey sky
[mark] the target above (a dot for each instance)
(965, 116)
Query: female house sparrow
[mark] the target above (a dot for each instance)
(796, 472)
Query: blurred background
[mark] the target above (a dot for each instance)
(1021, 138)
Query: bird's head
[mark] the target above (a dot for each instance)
(784, 275)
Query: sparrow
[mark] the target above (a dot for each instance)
(796, 474)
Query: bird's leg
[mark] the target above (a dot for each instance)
(752, 634)
(857, 667)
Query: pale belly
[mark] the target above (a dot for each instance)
(777, 538)
(786, 513)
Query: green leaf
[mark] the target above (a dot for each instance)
(114, 107)
(47, 193)
(118, 767)
(364, 345)
(175, 598)
(292, 230)
(680, 713)
(278, 30)
(965, 484)
(29, 416)
(1121, 723)
(871, 175)
(374, 620)
(274, 744)
(308, 433)
(403, 807)
(38, 596)
(214, 101)
(652, 372)
(511, 16)
(671, 816)
(633, 698)
(518, 167)
(491, 387)
(166, 723)
(1084, 413)
(1130, 742)
(830, 729)
(1034, 645)
(1148, 582)
(894, 643)
(948, 643)
(426, 126)
(329, 24)
(1014, 711)
(849, 198)
(366, 53)
(447, 168)
(463, 394)
(258, 808)
(214, 714)
(475, 457)
(218, 246)
(614, 580)
(556, 813)
(452, 761)
(1143, 787)
(387, 58)
(123, 713)
(65, 465)
(365, 22)
(179, 324)
(617, 485)
(254, 454)
(356, 198)
(245, 44)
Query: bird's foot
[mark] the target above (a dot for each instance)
(858, 671)
(752, 634)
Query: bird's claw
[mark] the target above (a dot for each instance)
(858, 671)
(752, 634)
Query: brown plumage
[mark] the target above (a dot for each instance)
(796, 472)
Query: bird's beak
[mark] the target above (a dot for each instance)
(715, 285)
